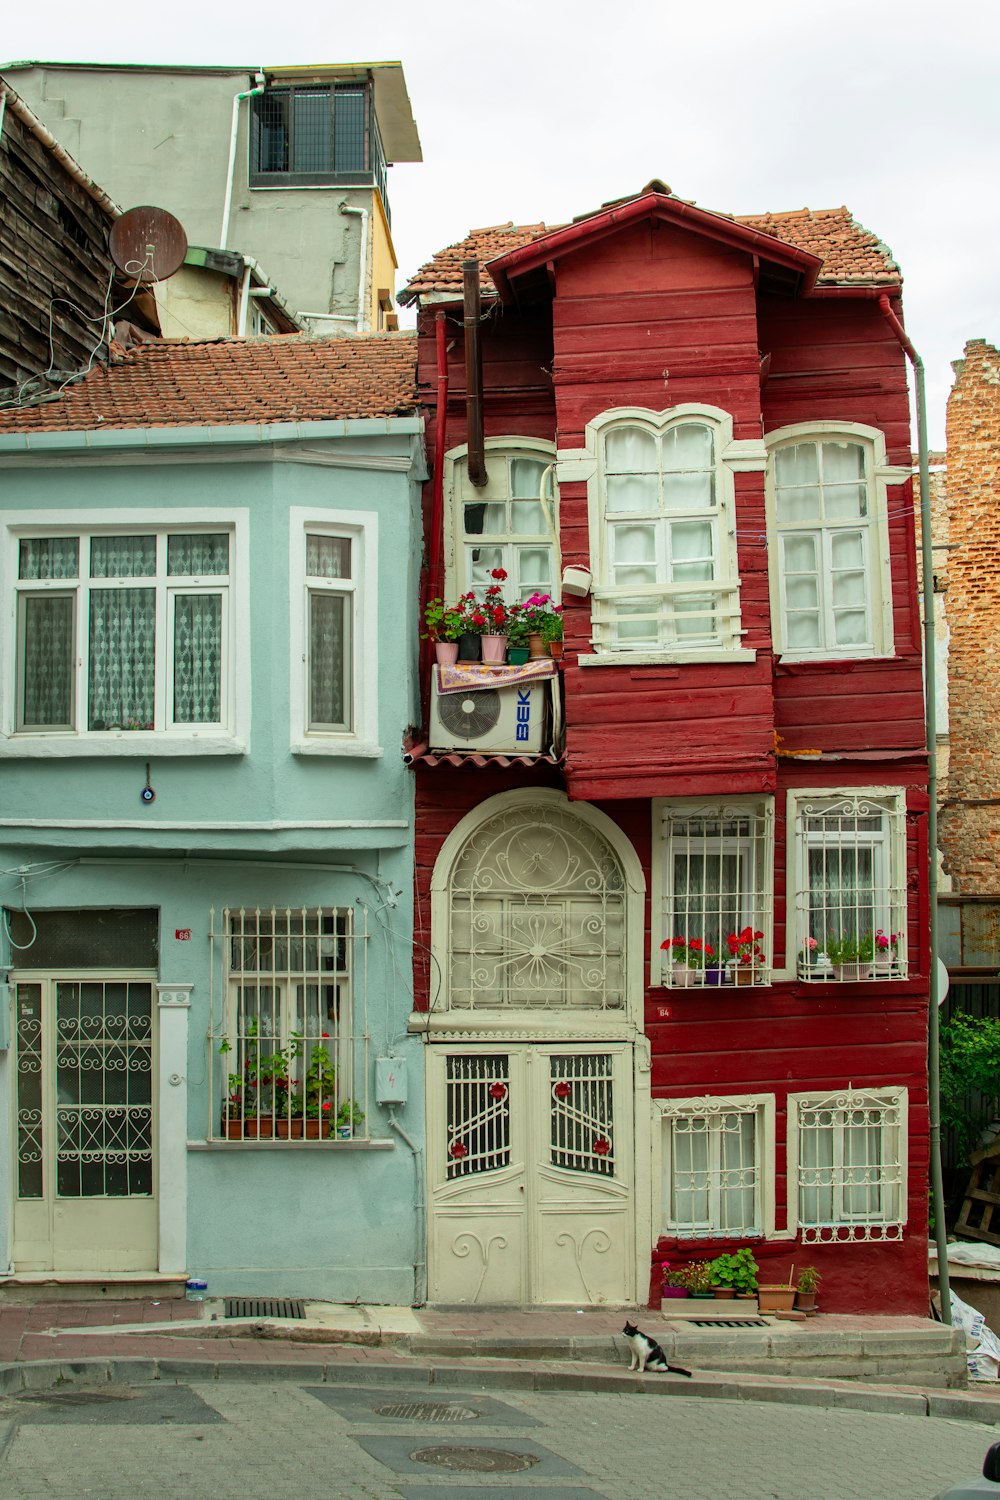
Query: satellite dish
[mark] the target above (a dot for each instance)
(147, 244)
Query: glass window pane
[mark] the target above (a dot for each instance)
(486, 518)
(526, 478)
(633, 544)
(693, 572)
(689, 491)
(534, 566)
(271, 130)
(47, 661)
(851, 627)
(329, 661)
(689, 1177)
(123, 557)
(480, 563)
(689, 446)
(799, 553)
(798, 505)
(638, 493)
(796, 464)
(848, 588)
(311, 130)
(802, 592)
(630, 450)
(691, 539)
(527, 518)
(841, 891)
(847, 549)
(845, 502)
(633, 577)
(122, 658)
(49, 557)
(842, 463)
(197, 658)
(349, 130)
(328, 556)
(199, 553)
(637, 632)
(803, 631)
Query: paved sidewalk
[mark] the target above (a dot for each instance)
(897, 1364)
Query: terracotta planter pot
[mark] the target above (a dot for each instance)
(288, 1130)
(446, 653)
(775, 1298)
(744, 976)
(805, 1301)
(536, 646)
(556, 650)
(494, 647)
(723, 1292)
(253, 1128)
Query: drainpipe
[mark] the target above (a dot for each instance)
(473, 373)
(237, 99)
(364, 322)
(420, 1262)
(930, 696)
(435, 579)
(241, 321)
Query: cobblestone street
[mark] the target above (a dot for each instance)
(278, 1440)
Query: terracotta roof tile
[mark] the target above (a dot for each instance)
(850, 252)
(223, 382)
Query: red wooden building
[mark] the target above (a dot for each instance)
(697, 427)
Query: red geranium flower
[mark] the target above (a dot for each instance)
(601, 1146)
(458, 1150)
(562, 1090)
(498, 1091)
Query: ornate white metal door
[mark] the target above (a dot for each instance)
(531, 1175)
(85, 1169)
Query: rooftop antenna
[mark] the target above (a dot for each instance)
(147, 244)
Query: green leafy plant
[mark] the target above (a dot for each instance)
(738, 1270)
(847, 948)
(809, 1280)
(696, 1276)
(318, 1093)
(262, 1087)
(443, 621)
(970, 1076)
(350, 1113)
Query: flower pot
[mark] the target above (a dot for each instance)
(536, 645)
(716, 976)
(446, 653)
(469, 646)
(805, 1301)
(775, 1298)
(723, 1292)
(494, 647)
(673, 1291)
(849, 973)
(288, 1130)
(517, 655)
(344, 1132)
(254, 1127)
(744, 976)
(556, 650)
(882, 963)
(681, 975)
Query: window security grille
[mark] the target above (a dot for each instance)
(712, 1168)
(582, 1113)
(478, 1115)
(316, 134)
(717, 881)
(850, 922)
(290, 1057)
(537, 915)
(850, 1168)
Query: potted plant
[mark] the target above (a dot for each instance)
(697, 1276)
(443, 624)
(807, 957)
(674, 1282)
(350, 1119)
(746, 955)
(846, 953)
(805, 1289)
(538, 611)
(688, 956)
(259, 1095)
(313, 1108)
(552, 632)
(886, 949)
(776, 1296)
(736, 1272)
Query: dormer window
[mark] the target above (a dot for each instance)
(314, 135)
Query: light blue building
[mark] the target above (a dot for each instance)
(208, 567)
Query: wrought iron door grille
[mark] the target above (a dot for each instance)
(478, 1115)
(263, 1307)
(582, 1113)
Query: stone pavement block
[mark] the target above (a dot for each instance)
(366, 1374)
(891, 1370)
(486, 1377)
(967, 1408)
(53, 1372)
(884, 1402)
(188, 1369)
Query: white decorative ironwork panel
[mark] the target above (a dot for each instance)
(537, 915)
(850, 1165)
(581, 1106)
(30, 1139)
(103, 1044)
(478, 1115)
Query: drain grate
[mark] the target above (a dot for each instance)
(427, 1411)
(476, 1460)
(725, 1323)
(264, 1307)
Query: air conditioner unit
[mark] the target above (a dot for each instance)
(508, 720)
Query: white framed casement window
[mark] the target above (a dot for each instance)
(663, 532)
(847, 883)
(291, 1043)
(712, 878)
(831, 593)
(509, 523)
(124, 631)
(716, 1165)
(847, 1164)
(334, 633)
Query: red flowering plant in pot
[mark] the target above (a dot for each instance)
(746, 956)
(487, 618)
(689, 959)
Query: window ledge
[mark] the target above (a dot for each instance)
(97, 746)
(218, 1144)
(830, 658)
(713, 656)
(364, 749)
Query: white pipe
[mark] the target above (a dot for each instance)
(241, 321)
(227, 206)
(420, 1262)
(364, 322)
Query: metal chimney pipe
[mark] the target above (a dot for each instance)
(473, 374)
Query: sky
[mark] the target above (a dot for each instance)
(540, 110)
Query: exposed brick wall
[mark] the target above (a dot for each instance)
(969, 832)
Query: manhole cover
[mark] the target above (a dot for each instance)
(263, 1307)
(427, 1411)
(476, 1460)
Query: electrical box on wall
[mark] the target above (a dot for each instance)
(390, 1080)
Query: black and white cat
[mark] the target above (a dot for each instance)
(647, 1354)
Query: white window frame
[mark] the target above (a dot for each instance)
(889, 1222)
(804, 803)
(713, 1106)
(875, 527)
(227, 737)
(497, 449)
(361, 738)
(731, 456)
(756, 850)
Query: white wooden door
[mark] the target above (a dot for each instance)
(530, 1153)
(85, 1115)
